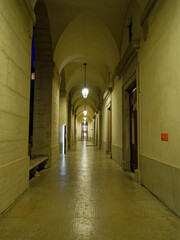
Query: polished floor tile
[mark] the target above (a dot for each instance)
(85, 196)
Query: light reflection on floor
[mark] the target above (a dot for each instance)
(85, 196)
(63, 165)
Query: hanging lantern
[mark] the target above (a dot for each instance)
(85, 112)
(85, 90)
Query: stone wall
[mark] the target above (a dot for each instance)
(15, 64)
(55, 117)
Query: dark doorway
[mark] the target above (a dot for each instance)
(133, 129)
(31, 109)
(109, 131)
(64, 139)
(84, 131)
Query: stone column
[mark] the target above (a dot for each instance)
(100, 127)
(42, 109)
(69, 124)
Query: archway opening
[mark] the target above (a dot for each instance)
(84, 131)
(31, 108)
(64, 140)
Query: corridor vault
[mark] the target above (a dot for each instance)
(131, 48)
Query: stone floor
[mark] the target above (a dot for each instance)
(86, 196)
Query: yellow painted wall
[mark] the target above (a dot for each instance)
(133, 15)
(160, 86)
(117, 113)
(106, 103)
(89, 131)
(104, 122)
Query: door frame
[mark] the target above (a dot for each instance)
(133, 132)
(109, 130)
(64, 139)
(126, 164)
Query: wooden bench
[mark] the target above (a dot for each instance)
(37, 164)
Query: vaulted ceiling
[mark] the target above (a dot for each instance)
(86, 31)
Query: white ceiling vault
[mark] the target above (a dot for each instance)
(62, 12)
(86, 31)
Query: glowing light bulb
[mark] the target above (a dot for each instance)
(85, 92)
(85, 112)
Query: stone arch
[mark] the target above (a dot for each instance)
(44, 69)
(88, 36)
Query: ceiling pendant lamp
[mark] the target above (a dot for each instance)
(85, 112)
(85, 90)
(85, 118)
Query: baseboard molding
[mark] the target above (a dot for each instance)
(163, 181)
(117, 154)
(103, 147)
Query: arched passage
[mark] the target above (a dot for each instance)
(94, 44)
(44, 85)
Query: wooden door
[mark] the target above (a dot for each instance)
(133, 129)
(64, 139)
(109, 131)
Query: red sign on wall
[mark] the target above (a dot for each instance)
(164, 136)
